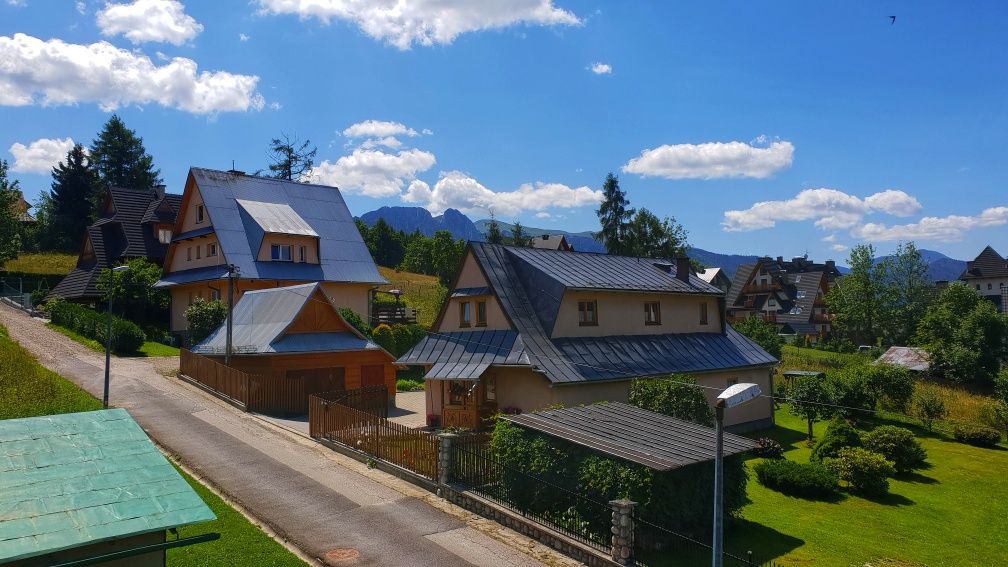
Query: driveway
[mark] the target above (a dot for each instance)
(306, 494)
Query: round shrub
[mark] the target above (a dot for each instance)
(928, 407)
(976, 435)
(839, 434)
(866, 472)
(896, 444)
(768, 448)
(382, 335)
(406, 337)
(893, 385)
(812, 480)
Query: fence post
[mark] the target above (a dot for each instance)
(622, 531)
(444, 460)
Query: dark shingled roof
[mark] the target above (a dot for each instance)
(987, 264)
(630, 433)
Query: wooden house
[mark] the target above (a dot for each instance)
(988, 274)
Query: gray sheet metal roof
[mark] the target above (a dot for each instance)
(469, 291)
(343, 254)
(911, 358)
(466, 348)
(627, 432)
(457, 371)
(278, 218)
(193, 275)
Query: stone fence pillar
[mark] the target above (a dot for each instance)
(444, 459)
(622, 531)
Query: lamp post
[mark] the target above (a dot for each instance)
(734, 395)
(108, 336)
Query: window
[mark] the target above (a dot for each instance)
(801, 294)
(490, 387)
(200, 213)
(481, 314)
(731, 382)
(188, 254)
(978, 286)
(164, 235)
(280, 252)
(989, 287)
(797, 279)
(301, 253)
(199, 252)
(211, 250)
(456, 393)
(465, 316)
(587, 313)
(214, 294)
(652, 313)
(703, 313)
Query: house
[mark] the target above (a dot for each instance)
(988, 272)
(273, 232)
(134, 223)
(911, 358)
(789, 294)
(527, 328)
(552, 242)
(20, 207)
(717, 278)
(82, 486)
(297, 335)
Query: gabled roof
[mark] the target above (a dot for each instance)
(551, 242)
(77, 479)
(911, 358)
(465, 355)
(343, 256)
(987, 264)
(742, 275)
(709, 274)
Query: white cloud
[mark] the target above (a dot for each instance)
(943, 229)
(424, 22)
(373, 173)
(830, 209)
(149, 20)
(378, 129)
(41, 155)
(244, 37)
(458, 190)
(829, 238)
(601, 68)
(543, 215)
(838, 247)
(387, 141)
(427, 132)
(81, 7)
(54, 72)
(712, 160)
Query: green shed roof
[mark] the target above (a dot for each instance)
(79, 478)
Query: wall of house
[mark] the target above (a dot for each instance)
(317, 317)
(353, 295)
(495, 314)
(470, 275)
(180, 259)
(188, 216)
(622, 313)
(309, 242)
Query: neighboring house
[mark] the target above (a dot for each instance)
(21, 207)
(528, 328)
(296, 333)
(911, 358)
(988, 273)
(789, 294)
(81, 486)
(274, 232)
(717, 278)
(133, 223)
(552, 242)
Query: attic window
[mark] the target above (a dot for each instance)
(164, 235)
(801, 294)
(280, 252)
(587, 313)
(200, 214)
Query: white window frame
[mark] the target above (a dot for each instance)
(164, 235)
(211, 250)
(277, 252)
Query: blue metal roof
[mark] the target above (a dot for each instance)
(277, 218)
(193, 275)
(80, 478)
(470, 291)
(465, 355)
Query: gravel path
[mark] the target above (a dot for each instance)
(310, 496)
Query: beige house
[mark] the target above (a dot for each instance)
(527, 328)
(988, 274)
(272, 233)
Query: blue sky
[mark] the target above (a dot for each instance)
(774, 128)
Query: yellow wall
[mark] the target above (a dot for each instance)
(309, 242)
(495, 315)
(470, 275)
(180, 262)
(622, 313)
(189, 215)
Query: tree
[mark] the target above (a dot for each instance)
(810, 398)
(494, 235)
(762, 333)
(119, 159)
(446, 255)
(385, 244)
(677, 396)
(134, 291)
(928, 407)
(856, 299)
(74, 188)
(10, 224)
(907, 292)
(647, 236)
(518, 236)
(290, 158)
(614, 216)
(204, 317)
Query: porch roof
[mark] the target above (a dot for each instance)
(466, 355)
(633, 434)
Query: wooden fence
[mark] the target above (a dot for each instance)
(224, 380)
(405, 447)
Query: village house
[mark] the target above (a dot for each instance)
(988, 274)
(552, 242)
(273, 233)
(717, 278)
(134, 223)
(789, 294)
(20, 208)
(527, 328)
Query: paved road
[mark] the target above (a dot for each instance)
(301, 490)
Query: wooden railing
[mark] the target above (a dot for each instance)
(392, 314)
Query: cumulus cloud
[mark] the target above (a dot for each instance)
(458, 190)
(81, 7)
(601, 68)
(943, 229)
(838, 247)
(378, 129)
(41, 155)
(140, 21)
(712, 160)
(244, 37)
(373, 173)
(424, 22)
(830, 209)
(53, 72)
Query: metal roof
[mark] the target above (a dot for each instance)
(80, 478)
(277, 218)
(459, 355)
(470, 291)
(987, 264)
(911, 358)
(630, 433)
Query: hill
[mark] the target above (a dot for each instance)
(940, 266)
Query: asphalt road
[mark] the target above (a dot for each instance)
(301, 492)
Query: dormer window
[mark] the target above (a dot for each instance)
(587, 313)
(465, 315)
(652, 313)
(200, 214)
(301, 254)
(280, 252)
(164, 235)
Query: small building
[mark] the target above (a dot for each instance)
(85, 485)
(912, 358)
(552, 242)
(297, 335)
(20, 208)
(717, 278)
(134, 223)
(988, 274)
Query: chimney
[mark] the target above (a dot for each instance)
(780, 259)
(830, 265)
(159, 191)
(683, 269)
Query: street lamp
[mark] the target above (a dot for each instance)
(108, 336)
(734, 395)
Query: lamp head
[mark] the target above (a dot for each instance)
(738, 394)
(123, 268)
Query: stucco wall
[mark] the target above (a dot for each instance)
(495, 315)
(309, 242)
(622, 313)
(470, 275)
(189, 214)
(180, 261)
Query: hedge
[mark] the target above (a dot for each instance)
(896, 444)
(977, 435)
(127, 337)
(812, 480)
(864, 471)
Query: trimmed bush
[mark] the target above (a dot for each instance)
(382, 335)
(406, 337)
(896, 444)
(864, 471)
(838, 435)
(976, 435)
(409, 386)
(768, 448)
(812, 480)
(355, 320)
(204, 317)
(127, 337)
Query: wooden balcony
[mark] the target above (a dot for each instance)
(760, 288)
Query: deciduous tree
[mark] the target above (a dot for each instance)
(10, 224)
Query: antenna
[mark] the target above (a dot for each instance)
(232, 165)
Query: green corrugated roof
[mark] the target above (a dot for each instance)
(79, 478)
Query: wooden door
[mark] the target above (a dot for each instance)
(372, 375)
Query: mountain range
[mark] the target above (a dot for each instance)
(410, 219)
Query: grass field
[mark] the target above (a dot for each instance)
(42, 263)
(423, 292)
(149, 348)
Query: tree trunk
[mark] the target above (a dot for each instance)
(810, 430)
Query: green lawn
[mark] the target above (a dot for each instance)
(953, 513)
(423, 292)
(149, 348)
(42, 263)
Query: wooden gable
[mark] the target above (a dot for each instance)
(317, 316)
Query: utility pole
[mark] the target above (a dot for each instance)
(232, 270)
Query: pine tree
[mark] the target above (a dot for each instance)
(614, 216)
(74, 188)
(518, 235)
(119, 159)
(494, 235)
(290, 158)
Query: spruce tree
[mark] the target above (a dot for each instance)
(74, 188)
(290, 158)
(493, 235)
(119, 159)
(518, 235)
(614, 216)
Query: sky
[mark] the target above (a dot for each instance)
(777, 128)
